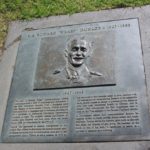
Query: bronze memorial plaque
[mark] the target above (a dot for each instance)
(79, 83)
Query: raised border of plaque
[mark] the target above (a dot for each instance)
(113, 109)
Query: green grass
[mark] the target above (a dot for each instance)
(28, 9)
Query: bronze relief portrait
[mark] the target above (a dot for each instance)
(76, 61)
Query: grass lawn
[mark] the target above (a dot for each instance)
(27, 9)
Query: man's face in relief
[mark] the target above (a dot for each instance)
(78, 52)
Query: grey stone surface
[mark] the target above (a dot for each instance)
(8, 61)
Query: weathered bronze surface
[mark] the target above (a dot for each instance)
(76, 60)
(76, 83)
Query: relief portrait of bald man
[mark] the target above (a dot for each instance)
(76, 61)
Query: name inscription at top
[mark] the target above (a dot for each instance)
(83, 28)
